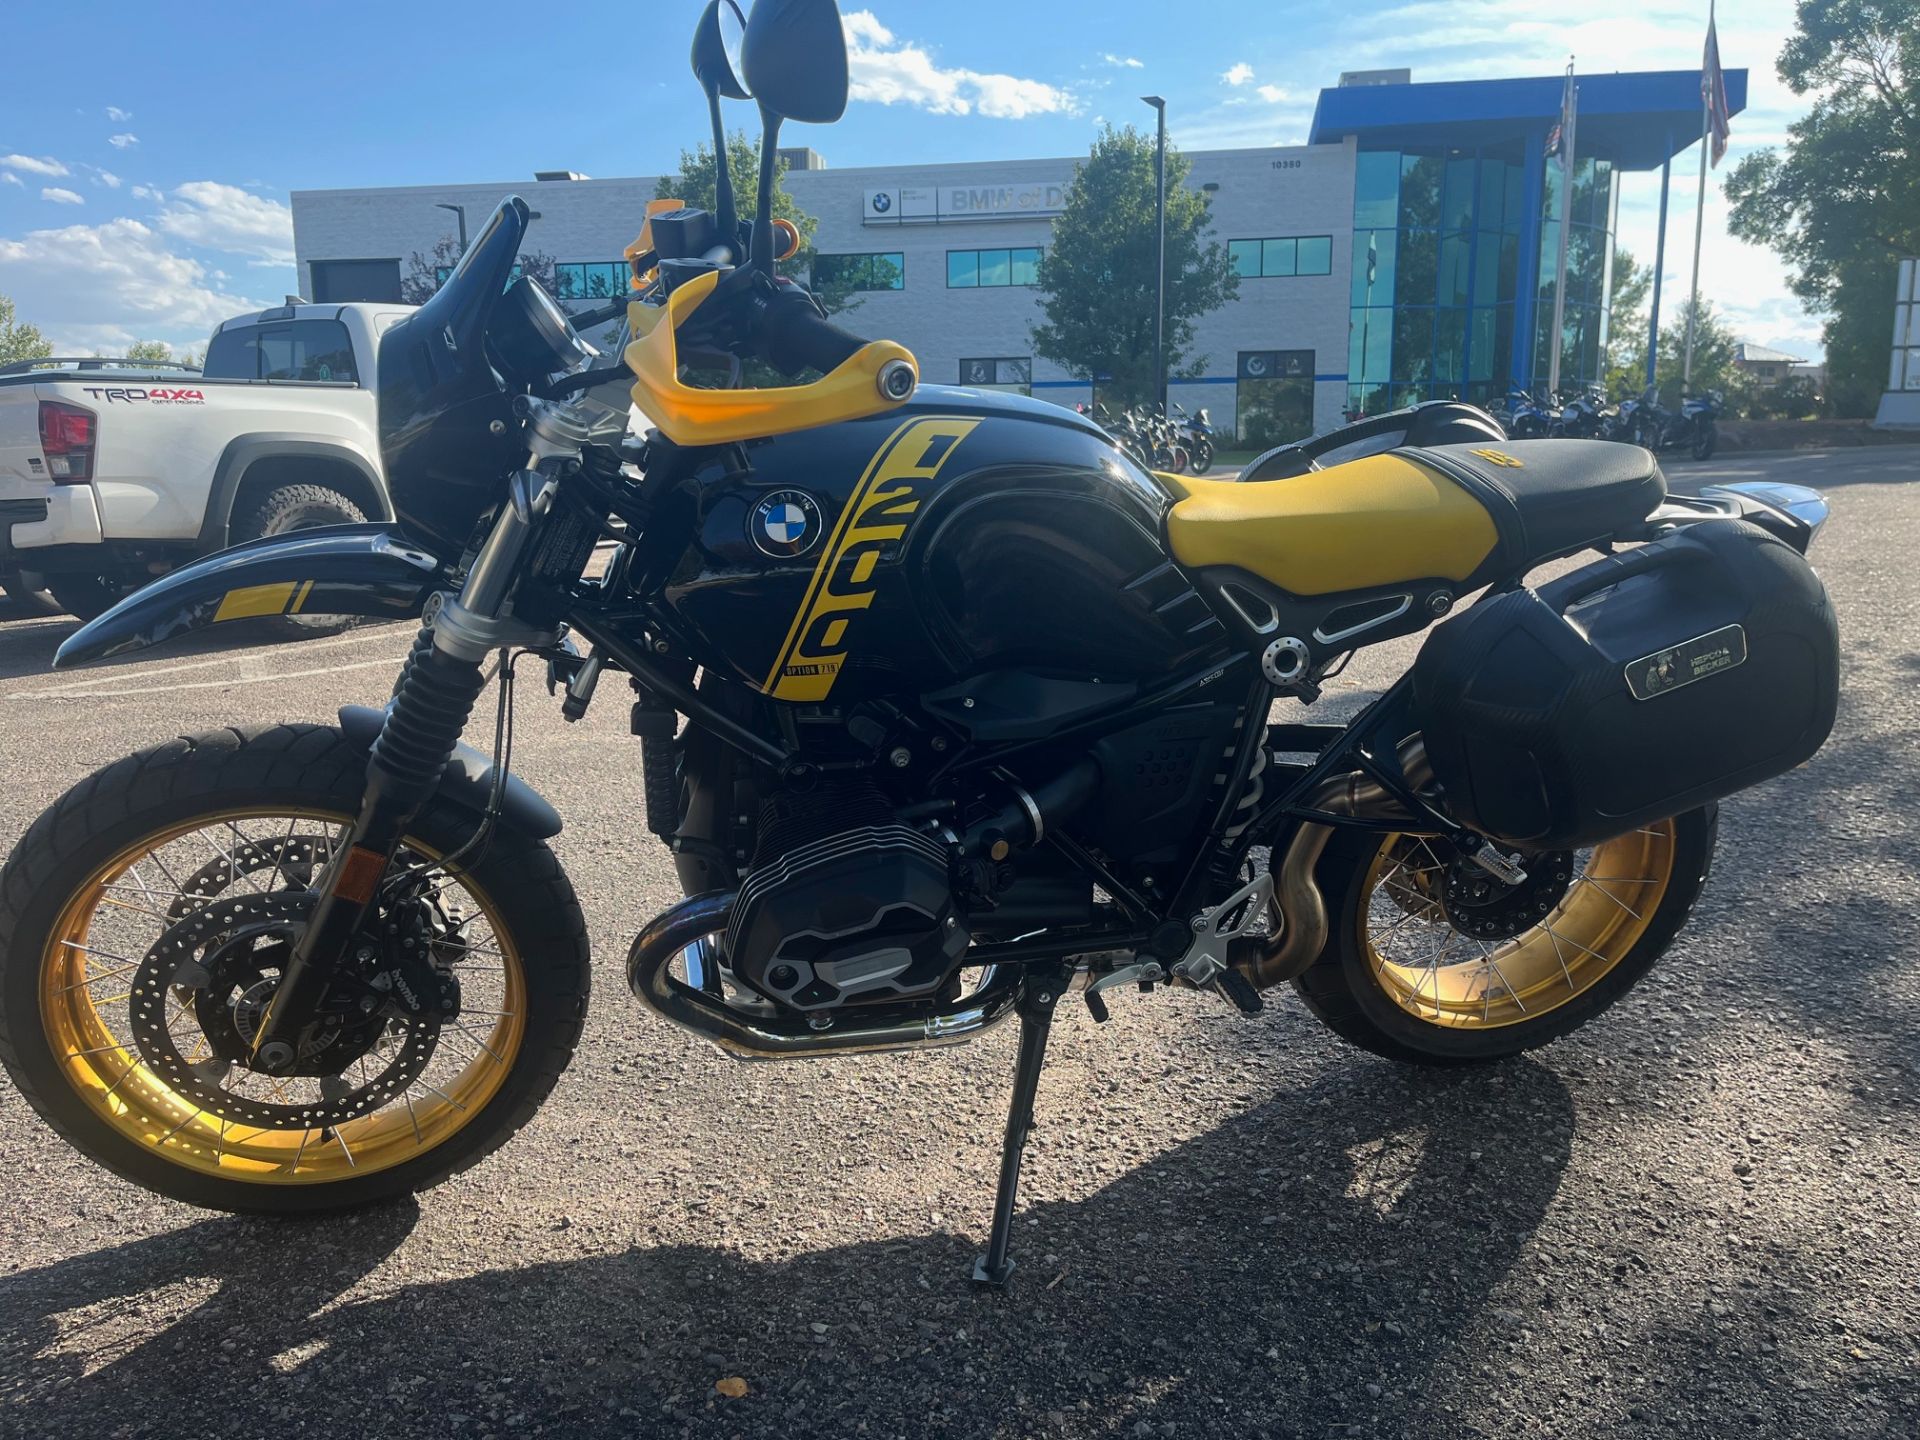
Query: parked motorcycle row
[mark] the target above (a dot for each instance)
(1692, 429)
(1176, 443)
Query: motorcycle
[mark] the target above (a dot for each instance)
(1695, 429)
(949, 712)
(1196, 436)
(1524, 417)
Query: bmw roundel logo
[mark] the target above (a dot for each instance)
(785, 523)
(882, 202)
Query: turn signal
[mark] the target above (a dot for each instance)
(66, 439)
(786, 240)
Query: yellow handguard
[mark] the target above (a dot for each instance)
(689, 416)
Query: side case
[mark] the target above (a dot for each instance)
(1632, 689)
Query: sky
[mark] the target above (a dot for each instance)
(145, 166)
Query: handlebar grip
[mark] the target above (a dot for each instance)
(794, 338)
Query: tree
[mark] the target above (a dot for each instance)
(1097, 279)
(426, 272)
(149, 350)
(1714, 345)
(1841, 202)
(19, 340)
(696, 186)
(1628, 320)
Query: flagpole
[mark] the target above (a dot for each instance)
(1699, 212)
(1566, 218)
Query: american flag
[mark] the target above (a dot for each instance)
(1557, 137)
(1713, 94)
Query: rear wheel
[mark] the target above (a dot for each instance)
(299, 507)
(144, 922)
(1431, 960)
(1704, 439)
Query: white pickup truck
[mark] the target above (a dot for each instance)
(111, 475)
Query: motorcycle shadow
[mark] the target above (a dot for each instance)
(1327, 1258)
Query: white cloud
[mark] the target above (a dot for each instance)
(61, 197)
(106, 178)
(1275, 95)
(121, 142)
(887, 71)
(147, 192)
(33, 165)
(9, 178)
(107, 285)
(114, 112)
(1124, 62)
(1239, 74)
(225, 217)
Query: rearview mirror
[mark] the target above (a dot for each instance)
(716, 50)
(794, 59)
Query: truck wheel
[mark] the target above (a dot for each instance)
(299, 507)
(90, 596)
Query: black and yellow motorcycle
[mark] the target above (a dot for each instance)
(947, 710)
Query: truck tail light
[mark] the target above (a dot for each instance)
(66, 439)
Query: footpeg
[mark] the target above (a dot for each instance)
(1237, 988)
(1506, 871)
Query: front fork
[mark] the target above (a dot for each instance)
(436, 694)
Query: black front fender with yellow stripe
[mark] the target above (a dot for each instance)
(359, 570)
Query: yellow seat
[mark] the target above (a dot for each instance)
(1378, 520)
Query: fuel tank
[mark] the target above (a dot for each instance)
(966, 532)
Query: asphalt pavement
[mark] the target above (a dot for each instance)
(1695, 1217)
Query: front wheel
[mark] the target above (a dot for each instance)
(1430, 960)
(145, 920)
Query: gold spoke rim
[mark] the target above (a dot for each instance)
(103, 1064)
(1448, 978)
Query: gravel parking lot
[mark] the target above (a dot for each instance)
(1697, 1216)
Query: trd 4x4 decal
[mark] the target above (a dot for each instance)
(113, 394)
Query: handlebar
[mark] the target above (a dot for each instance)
(793, 337)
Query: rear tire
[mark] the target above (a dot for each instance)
(1347, 988)
(299, 507)
(285, 769)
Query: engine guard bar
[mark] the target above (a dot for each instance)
(754, 1037)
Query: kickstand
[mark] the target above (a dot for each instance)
(1038, 996)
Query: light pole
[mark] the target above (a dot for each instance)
(460, 213)
(1160, 257)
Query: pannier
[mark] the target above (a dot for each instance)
(1630, 690)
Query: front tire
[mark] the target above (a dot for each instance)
(1399, 978)
(230, 821)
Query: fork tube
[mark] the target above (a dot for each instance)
(436, 694)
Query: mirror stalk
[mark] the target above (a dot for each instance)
(762, 252)
(722, 175)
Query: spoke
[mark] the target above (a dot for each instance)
(103, 975)
(1611, 896)
(280, 859)
(233, 861)
(407, 1095)
(99, 954)
(1506, 983)
(351, 1162)
(443, 1095)
(301, 1150)
(123, 1077)
(151, 894)
(172, 879)
(465, 1030)
(1573, 942)
(197, 1113)
(96, 1050)
(110, 902)
(1623, 879)
(1560, 955)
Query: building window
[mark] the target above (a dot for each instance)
(1273, 397)
(861, 272)
(444, 273)
(1012, 373)
(975, 269)
(342, 281)
(1904, 372)
(1281, 256)
(590, 280)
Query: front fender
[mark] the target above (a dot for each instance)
(363, 570)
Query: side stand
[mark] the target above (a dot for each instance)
(1038, 996)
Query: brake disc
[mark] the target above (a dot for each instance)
(219, 967)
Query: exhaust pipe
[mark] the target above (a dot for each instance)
(1302, 909)
(747, 1036)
